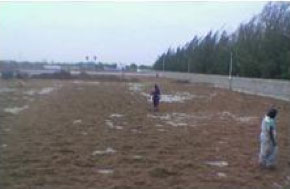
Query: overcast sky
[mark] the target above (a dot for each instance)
(113, 31)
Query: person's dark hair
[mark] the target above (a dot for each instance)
(156, 86)
(272, 113)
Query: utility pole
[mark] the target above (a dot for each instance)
(163, 64)
(230, 71)
(231, 66)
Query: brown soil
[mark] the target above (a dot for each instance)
(46, 149)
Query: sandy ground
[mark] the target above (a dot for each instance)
(80, 134)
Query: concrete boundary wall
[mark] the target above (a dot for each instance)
(279, 89)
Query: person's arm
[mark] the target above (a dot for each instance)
(271, 132)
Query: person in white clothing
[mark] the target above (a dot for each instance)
(268, 140)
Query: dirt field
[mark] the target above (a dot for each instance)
(89, 134)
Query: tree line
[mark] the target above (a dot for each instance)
(259, 48)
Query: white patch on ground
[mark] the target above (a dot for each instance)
(136, 131)
(136, 87)
(78, 121)
(217, 163)
(176, 124)
(43, 91)
(105, 171)
(93, 82)
(30, 92)
(6, 90)
(118, 127)
(46, 90)
(77, 82)
(167, 98)
(220, 174)
(109, 150)
(170, 98)
(161, 117)
(58, 85)
(110, 124)
(148, 96)
(116, 115)
(87, 82)
(28, 98)
(137, 157)
(178, 97)
(161, 130)
(84, 133)
(4, 145)
(181, 119)
(15, 110)
(158, 125)
(225, 115)
(212, 95)
(181, 114)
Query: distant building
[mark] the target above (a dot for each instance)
(112, 67)
(52, 67)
